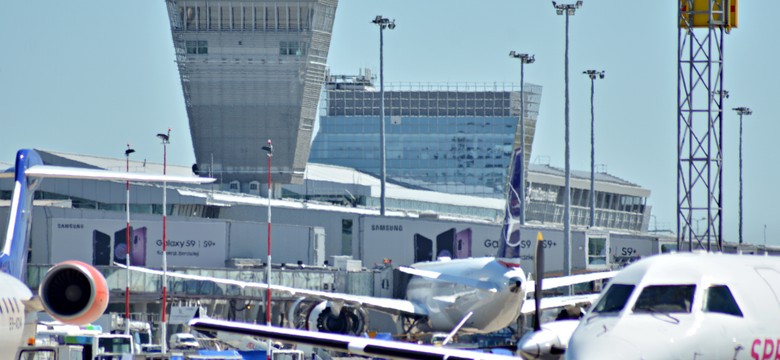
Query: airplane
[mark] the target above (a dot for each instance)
(686, 305)
(72, 292)
(384, 348)
(475, 295)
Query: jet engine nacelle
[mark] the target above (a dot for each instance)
(329, 317)
(74, 292)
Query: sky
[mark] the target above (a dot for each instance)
(91, 77)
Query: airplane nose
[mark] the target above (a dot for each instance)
(605, 347)
(539, 345)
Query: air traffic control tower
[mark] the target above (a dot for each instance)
(251, 70)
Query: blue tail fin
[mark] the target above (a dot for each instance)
(510, 232)
(13, 257)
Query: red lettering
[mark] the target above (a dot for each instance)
(777, 350)
(753, 352)
(769, 349)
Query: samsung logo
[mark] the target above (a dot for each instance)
(70, 226)
(387, 228)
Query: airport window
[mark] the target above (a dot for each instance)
(197, 47)
(665, 299)
(292, 48)
(718, 299)
(346, 236)
(614, 299)
(597, 251)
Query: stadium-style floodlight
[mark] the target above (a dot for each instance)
(593, 75)
(383, 23)
(165, 138)
(567, 10)
(524, 59)
(269, 149)
(741, 111)
(127, 242)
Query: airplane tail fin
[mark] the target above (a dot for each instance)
(13, 257)
(510, 232)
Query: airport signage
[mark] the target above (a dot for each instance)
(103, 242)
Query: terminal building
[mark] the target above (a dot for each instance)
(449, 138)
(220, 233)
(251, 70)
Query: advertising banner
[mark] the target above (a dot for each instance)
(406, 241)
(102, 242)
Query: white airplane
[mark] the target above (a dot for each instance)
(72, 292)
(475, 295)
(686, 305)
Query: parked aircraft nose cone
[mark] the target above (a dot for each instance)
(542, 344)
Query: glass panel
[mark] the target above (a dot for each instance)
(719, 299)
(666, 299)
(597, 251)
(615, 299)
(346, 237)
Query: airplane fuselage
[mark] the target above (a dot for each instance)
(703, 306)
(12, 314)
(449, 302)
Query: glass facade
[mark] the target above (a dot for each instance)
(458, 142)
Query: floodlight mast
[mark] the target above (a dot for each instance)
(567, 10)
(741, 111)
(593, 75)
(165, 138)
(127, 242)
(524, 59)
(383, 23)
(269, 149)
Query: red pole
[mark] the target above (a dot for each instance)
(127, 243)
(164, 241)
(268, 290)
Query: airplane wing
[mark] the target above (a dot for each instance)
(343, 343)
(556, 282)
(388, 306)
(434, 275)
(50, 171)
(558, 301)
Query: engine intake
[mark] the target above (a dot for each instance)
(74, 293)
(323, 317)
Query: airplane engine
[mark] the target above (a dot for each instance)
(326, 317)
(74, 293)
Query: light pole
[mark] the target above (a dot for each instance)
(389, 24)
(741, 111)
(165, 138)
(593, 75)
(566, 9)
(524, 59)
(269, 149)
(127, 243)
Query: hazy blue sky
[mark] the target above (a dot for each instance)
(90, 76)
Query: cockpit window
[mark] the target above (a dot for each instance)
(615, 298)
(718, 299)
(666, 299)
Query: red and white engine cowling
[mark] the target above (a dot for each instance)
(328, 317)
(74, 292)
